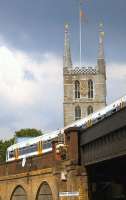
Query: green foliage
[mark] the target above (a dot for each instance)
(28, 133)
(3, 147)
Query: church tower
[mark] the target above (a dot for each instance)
(85, 87)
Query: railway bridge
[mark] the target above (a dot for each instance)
(102, 152)
(94, 168)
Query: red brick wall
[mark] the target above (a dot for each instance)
(32, 163)
(71, 139)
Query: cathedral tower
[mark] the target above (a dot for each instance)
(85, 87)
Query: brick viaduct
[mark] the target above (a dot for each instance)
(44, 177)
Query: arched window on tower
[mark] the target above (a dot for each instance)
(77, 113)
(89, 110)
(90, 89)
(77, 89)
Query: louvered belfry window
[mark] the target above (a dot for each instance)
(77, 89)
(89, 110)
(77, 113)
(90, 89)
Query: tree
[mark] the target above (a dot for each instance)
(3, 147)
(28, 133)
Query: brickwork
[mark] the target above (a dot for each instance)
(60, 175)
(70, 102)
(31, 182)
(33, 163)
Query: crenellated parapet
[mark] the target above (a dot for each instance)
(82, 70)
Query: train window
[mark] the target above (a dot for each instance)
(28, 149)
(11, 154)
(47, 144)
(114, 110)
(33, 148)
(23, 151)
(44, 145)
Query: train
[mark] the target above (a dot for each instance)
(43, 144)
(31, 147)
(99, 115)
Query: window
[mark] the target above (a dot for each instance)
(90, 110)
(11, 154)
(90, 89)
(77, 113)
(28, 149)
(47, 144)
(77, 89)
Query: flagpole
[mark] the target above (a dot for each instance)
(80, 33)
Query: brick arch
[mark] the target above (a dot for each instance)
(19, 193)
(44, 192)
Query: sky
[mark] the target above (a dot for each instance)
(31, 52)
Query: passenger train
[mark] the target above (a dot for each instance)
(43, 144)
(31, 147)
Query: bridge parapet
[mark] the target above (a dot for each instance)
(32, 163)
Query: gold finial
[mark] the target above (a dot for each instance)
(101, 29)
(101, 25)
(66, 25)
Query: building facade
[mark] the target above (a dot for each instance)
(84, 87)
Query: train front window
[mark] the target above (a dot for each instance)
(11, 154)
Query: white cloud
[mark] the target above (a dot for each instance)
(31, 90)
(116, 81)
(116, 71)
(25, 102)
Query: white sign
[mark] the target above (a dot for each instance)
(68, 194)
(23, 161)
